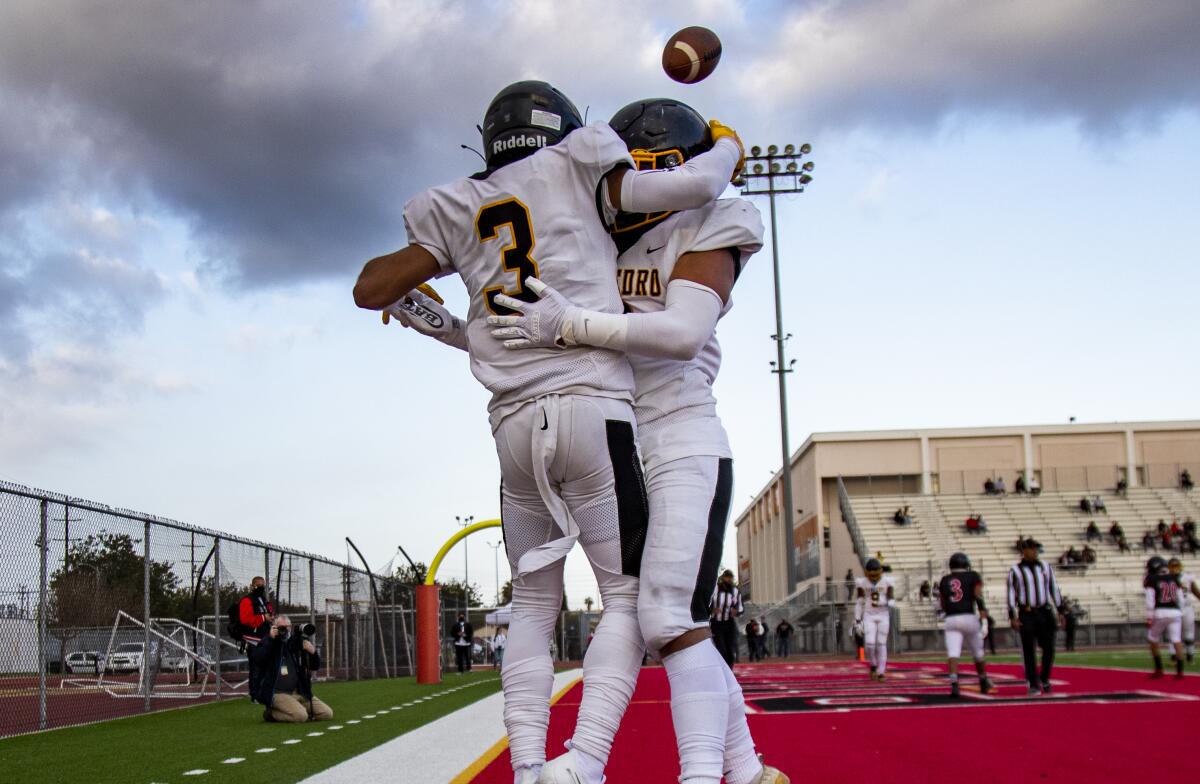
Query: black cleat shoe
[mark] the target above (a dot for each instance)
(1034, 691)
(1046, 687)
(985, 685)
(954, 689)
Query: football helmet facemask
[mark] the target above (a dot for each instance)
(523, 118)
(1156, 564)
(661, 133)
(873, 569)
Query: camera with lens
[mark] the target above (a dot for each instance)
(308, 629)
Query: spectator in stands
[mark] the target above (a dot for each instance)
(1115, 531)
(1001, 488)
(1071, 558)
(1147, 541)
(783, 638)
(1166, 540)
(848, 580)
(1085, 505)
(1123, 544)
(1176, 530)
(1122, 487)
(1189, 527)
(902, 516)
(975, 524)
(989, 487)
(1089, 555)
(1035, 488)
(1162, 527)
(926, 591)
(1019, 487)
(1093, 531)
(1185, 481)
(1098, 504)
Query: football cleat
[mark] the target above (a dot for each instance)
(561, 770)
(1179, 676)
(1046, 687)
(954, 689)
(985, 685)
(1156, 675)
(1034, 691)
(771, 775)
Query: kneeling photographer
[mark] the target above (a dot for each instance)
(286, 661)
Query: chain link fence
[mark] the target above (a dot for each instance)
(106, 612)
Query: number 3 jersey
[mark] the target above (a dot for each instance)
(875, 595)
(675, 406)
(538, 216)
(957, 592)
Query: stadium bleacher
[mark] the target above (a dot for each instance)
(1109, 589)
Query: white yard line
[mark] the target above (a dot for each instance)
(460, 738)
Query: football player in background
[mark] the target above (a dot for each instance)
(1189, 589)
(676, 272)
(875, 598)
(563, 423)
(960, 593)
(1164, 614)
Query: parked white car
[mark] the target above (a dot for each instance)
(83, 661)
(127, 657)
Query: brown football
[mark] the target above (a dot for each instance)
(691, 54)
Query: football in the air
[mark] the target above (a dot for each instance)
(691, 54)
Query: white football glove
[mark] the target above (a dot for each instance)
(858, 629)
(538, 324)
(422, 310)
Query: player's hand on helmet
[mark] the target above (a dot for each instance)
(538, 324)
(722, 131)
(422, 310)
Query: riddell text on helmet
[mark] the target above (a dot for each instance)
(524, 140)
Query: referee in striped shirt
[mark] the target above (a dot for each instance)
(724, 608)
(1032, 596)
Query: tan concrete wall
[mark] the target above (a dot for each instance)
(962, 465)
(1079, 461)
(1164, 454)
(862, 458)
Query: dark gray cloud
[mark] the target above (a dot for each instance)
(1109, 65)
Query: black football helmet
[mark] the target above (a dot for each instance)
(523, 118)
(661, 133)
(1156, 564)
(960, 561)
(873, 568)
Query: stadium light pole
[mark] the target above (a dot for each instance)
(496, 558)
(770, 174)
(463, 522)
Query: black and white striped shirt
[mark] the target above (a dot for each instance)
(1032, 586)
(726, 605)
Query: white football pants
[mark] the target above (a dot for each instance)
(875, 632)
(960, 628)
(570, 471)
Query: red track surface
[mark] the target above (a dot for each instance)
(1098, 726)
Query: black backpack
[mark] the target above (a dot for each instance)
(235, 629)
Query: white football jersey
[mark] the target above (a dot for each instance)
(876, 593)
(539, 216)
(1185, 585)
(669, 392)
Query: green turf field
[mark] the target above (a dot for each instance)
(160, 747)
(1125, 658)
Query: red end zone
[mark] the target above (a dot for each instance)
(825, 721)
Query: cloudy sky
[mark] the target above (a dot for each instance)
(1001, 231)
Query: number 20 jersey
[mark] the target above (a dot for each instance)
(675, 407)
(538, 216)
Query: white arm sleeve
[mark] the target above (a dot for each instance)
(859, 608)
(677, 332)
(690, 186)
(1150, 601)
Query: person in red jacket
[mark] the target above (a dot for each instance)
(256, 612)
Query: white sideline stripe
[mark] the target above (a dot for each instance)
(233, 760)
(293, 741)
(267, 750)
(475, 728)
(196, 772)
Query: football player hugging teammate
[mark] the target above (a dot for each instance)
(960, 593)
(1164, 613)
(568, 192)
(875, 598)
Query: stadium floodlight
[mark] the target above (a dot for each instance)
(769, 176)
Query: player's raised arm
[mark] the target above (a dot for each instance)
(697, 182)
(385, 279)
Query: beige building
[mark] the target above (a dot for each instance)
(941, 463)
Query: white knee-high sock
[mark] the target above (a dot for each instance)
(741, 758)
(527, 685)
(610, 670)
(880, 657)
(699, 711)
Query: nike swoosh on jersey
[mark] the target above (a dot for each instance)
(654, 250)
